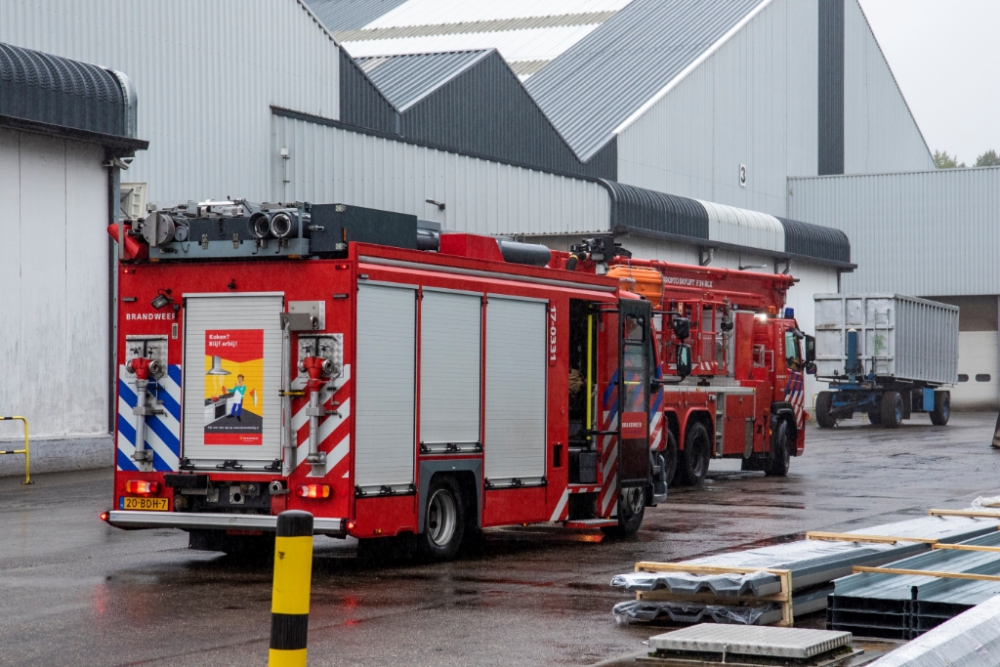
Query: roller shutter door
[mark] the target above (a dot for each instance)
(225, 337)
(450, 363)
(386, 387)
(978, 385)
(516, 365)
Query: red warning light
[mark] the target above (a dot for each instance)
(141, 487)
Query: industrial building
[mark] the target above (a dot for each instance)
(65, 127)
(522, 119)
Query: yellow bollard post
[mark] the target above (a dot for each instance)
(293, 547)
(26, 451)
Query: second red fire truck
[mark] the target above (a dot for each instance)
(398, 382)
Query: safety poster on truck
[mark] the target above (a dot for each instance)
(234, 377)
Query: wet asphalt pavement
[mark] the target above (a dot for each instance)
(74, 591)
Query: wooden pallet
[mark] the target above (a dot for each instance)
(784, 597)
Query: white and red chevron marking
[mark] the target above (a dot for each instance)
(607, 504)
(561, 512)
(656, 431)
(334, 429)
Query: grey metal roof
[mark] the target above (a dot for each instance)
(406, 79)
(339, 15)
(605, 77)
(40, 88)
(493, 25)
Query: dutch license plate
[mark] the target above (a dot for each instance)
(148, 504)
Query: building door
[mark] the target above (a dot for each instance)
(978, 386)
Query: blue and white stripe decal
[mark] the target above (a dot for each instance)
(162, 431)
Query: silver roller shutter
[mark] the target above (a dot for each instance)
(450, 362)
(386, 391)
(205, 403)
(516, 365)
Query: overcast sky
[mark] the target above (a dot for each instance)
(946, 57)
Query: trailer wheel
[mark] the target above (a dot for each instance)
(631, 510)
(875, 416)
(892, 409)
(824, 404)
(942, 408)
(694, 459)
(781, 455)
(444, 521)
(670, 458)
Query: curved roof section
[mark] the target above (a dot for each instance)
(716, 225)
(808, 240)
(42, 88)
(658, 212)
(603, 79)
(739, 226)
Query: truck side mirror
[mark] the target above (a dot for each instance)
(810, 348)
(683, 360)
(681, 327)
(810, 368)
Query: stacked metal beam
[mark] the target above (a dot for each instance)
(899, 606)
(813, 564)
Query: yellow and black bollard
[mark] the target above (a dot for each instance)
(293, 547)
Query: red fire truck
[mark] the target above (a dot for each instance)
(390, 380)
(744, 398)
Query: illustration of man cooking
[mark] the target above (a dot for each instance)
(236, 402)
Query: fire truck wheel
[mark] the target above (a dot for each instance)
(942, 408)
(631, 510)
(694, 459)
(824, 402)
(892, 409)
(444, 521)
(781, 450)
(670, 458)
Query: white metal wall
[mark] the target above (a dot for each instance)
(932, 233)
(752, 102)
(206, 73)
(54, 275)
(335, 165)
(880, 133)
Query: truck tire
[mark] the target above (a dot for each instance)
(824, 404)
(781, 450)
(875, 416)
(444, 521)
(631, 510)
(942, 408)
(693, 461)
(892, 409)
(670, 458)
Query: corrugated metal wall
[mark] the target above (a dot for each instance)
(752, 102)
(928, 233)
(337, 165)
(54, 270)
(880, 133)
(205, 73)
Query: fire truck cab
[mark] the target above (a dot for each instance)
(392, 381)
(744, 398)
